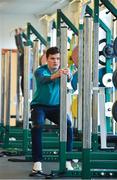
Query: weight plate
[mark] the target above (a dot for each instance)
(108, 109)
(114, 78)
(115, 46)
(107, 80)
(114, 111)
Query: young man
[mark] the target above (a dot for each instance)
(46, 104)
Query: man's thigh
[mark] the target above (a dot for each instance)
(53, 114)
(37, 116)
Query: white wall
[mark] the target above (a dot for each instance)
(9, 22)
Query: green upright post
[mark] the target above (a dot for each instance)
(48, 41)
(95, 77)
(58, 27)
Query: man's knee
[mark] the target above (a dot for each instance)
(37, 126)
(69, 123)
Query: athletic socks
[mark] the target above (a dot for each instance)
(69, 166)
(37, 166)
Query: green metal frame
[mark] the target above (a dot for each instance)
(110, 7)
(30, 30)
(61, 17)
(102, 161)
(113, 10)
(108, 91)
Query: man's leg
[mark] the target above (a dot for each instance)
(38, 118)
(54, 116)
(69, 134)
(36, 144)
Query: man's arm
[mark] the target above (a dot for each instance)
(44, 78)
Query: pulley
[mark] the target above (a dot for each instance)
(108, 51)
(107, 80)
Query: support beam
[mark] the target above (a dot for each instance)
(87, 107)
(63, 101)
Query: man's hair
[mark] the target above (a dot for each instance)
(52, 51)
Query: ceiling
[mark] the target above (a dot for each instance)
(36, 7)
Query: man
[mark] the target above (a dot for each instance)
(46, 104)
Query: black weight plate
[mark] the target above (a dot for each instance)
(115, 46)
(114, 78)
(114, 110)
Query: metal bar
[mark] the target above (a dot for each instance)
(35, 59)
(102, 120)
(2, 88)
(8, 86)
(48, 41)
(26, 86)
(108, 69)
(104, 164)
(99, 155)
(110, 7)
(27, 60)
(28, 34)
(58, 27)
(89, 11)
(108, 61)
(87, 83)
(69, 23)
(18, 90)
(95, 75)
(63, 100)
(37, 34)
(80, 67)
(24, 36)
(101, 23)
(80, 77)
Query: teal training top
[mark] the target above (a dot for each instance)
(47, 91)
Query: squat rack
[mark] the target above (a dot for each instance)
(94, 163)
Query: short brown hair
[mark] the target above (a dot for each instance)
(52, 50)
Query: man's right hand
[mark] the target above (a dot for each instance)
(57, 74)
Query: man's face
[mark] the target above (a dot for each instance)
(53, 61)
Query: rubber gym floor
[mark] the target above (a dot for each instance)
(21, 170)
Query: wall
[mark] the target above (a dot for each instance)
(10, 22)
